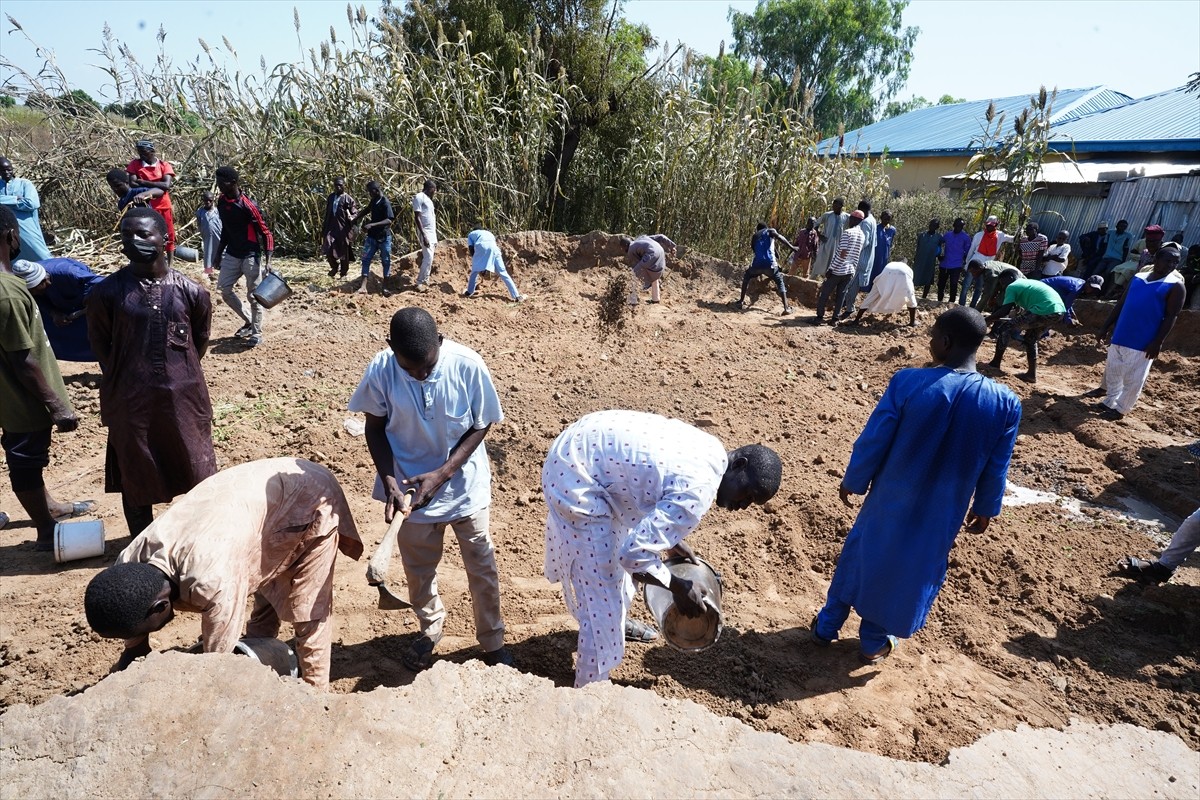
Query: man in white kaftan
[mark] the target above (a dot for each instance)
(623, 489)
(892, 292)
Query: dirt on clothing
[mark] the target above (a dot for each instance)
(1031, 626)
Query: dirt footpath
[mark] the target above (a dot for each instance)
(1030, 628)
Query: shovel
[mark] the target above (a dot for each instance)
(377, 567)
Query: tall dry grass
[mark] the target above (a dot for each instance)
(368, 108)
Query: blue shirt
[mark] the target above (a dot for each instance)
(425, 419)
(957, 246)
(953, 432)
(764, 248)
(1068, 289)
(1118, 245)
(487, 253)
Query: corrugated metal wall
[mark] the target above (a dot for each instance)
(1133, 200)
(1136, 201)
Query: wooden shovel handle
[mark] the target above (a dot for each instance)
(377, 567)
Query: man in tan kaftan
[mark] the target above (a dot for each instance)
(270, 528)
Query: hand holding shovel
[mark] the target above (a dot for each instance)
(377, 567)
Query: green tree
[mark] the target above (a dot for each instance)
(583, 44)
(7, 101)
(897, 107)
(840, 59)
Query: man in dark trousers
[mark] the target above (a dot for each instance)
(33, 399)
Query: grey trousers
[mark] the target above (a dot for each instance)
(232, 269)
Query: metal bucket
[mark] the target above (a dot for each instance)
(688, 634)
(276, 654)
(189, 254)
(78, 539)
(271, 290)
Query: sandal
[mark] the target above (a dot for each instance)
(888, 649)
(1144, 571)
(818, 639)
(78, 509)
(639, 632)
(419, 655)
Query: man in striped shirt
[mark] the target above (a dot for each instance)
(244, 235)
(841, 269)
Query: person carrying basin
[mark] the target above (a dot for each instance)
(623, 489)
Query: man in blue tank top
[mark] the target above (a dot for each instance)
(1139, 324)
(763, 244)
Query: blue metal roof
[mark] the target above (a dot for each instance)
(948, 130)
(1164, 122)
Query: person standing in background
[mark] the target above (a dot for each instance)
(425, 220)
(208, 220)
(148, 171)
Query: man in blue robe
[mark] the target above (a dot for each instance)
(61, 286)
(948, 430)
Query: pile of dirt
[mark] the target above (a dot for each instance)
(1030, 628)
(465, 731)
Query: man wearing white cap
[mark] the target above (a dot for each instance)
(61, 286)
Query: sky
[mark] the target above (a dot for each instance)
(963, 48)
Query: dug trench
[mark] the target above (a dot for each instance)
(1031, 626)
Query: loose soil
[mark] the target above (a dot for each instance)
(1031, 626)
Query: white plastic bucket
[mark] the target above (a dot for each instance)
(78, 539)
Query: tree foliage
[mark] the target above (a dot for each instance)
(897, 107)
(839, 58)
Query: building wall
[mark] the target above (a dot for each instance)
(922, 172)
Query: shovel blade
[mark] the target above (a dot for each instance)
(390, 602)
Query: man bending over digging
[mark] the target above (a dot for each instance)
(270, 528)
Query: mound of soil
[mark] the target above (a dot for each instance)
(467, 731)
(1030, 628)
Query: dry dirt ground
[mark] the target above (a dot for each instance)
(1031, 626)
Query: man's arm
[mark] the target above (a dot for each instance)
(256, 218)
(1114, 314)
(429, 482)
(989, 489)
(200, 313)
(872, 445)
(99, 325)
(777, 236)
(1002, 311)
(1174, 306)
(29, 374)
(381, 456)
(28, 199)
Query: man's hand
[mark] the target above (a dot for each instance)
(1153, 349)
(132, 653)
(681, 550)
(426, 484)
(65, 422)
(976, 523)
(845, 493)
(689, 597)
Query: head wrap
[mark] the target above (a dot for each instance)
(1101, 224)
(1097, 281)
(856, 214)
(1154, 232)
(992, 218)
(1172, 246)
(144, 144)
(31, 272)
(1194, 448)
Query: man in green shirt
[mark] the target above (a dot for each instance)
(1038, 307)
(33, 398)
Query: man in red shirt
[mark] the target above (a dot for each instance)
(806, 248)
(148, 171)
